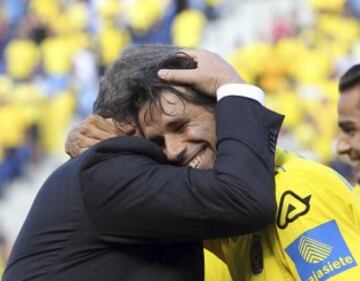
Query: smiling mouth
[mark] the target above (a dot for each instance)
(197, 159)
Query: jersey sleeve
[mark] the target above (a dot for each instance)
(317, 222)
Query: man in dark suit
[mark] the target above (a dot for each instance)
(122, 210)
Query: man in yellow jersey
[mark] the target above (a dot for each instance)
(349, 118)
(315, 233)
(315, 236)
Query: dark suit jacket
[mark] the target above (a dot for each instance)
(122, 212)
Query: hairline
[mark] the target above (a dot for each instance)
(156, 104)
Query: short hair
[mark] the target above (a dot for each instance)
(132, 81)
(350, 78)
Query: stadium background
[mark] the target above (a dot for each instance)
(52, 53)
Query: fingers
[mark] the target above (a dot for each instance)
(98, 127)
(77, 144)
(194, 53)
(103, 124)
(181, 76)
(82, 145)
(89, 132)
(95, 133)
(211, 73)
(94, 129)
(189, 76)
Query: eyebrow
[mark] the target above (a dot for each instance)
(173, 124)
(344, 124)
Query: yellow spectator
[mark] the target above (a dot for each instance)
(6, 86)
(304, 133)
(343, 31)
(289, 52)
(251, 60)
(289, 104)
(314, 66)
(143, 14)
(187, 28)
(21, 56)
(330, 5)
(56, 56)
(77, 41)
(325, 114)
(109, 8)
(47, 10)
(13, 125)
(30, 98)
(58, 110)
(77, 16)
(112, 42)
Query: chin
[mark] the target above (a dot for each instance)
(209, 165)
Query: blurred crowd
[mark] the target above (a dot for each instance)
(53, 52)
(299, 65)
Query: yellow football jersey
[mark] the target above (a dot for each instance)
(356, 189)
(316, 236)
(215, 268)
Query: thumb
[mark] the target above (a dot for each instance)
(181, 76)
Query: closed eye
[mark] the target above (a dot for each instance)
(178, 126)
(348, 128)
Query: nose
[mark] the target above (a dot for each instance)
(343, 145)
(174, 148)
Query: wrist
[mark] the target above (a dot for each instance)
(241, 90)
(231, 80)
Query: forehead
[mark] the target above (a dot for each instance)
(349, 103)
(169, 112)
(167, 107)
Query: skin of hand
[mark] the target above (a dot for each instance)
(211, 73)
(92, 130)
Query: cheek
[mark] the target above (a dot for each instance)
(355, 141)
(199, 133)
(207, 134)
(209, 131)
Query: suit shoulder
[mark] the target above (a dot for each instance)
(123, 145)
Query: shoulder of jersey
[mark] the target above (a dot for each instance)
(290, 165)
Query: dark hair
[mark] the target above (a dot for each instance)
(132, 81)
(350, 78)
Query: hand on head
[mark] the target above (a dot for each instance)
(211, 73)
